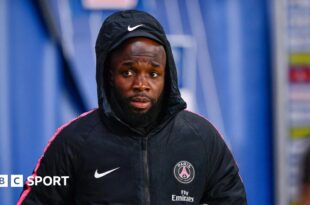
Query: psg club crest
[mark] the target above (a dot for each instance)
(184, 172)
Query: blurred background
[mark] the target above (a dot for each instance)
(245, 65)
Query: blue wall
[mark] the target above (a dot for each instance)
(239, 45)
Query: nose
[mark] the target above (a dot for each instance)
(141, 83)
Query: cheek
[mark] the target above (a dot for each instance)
(122, 84)
(159, 88)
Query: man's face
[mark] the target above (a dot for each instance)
(138, 73)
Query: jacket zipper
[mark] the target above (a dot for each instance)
(147, 197)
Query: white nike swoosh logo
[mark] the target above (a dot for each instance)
(99, 175)
(135, 27)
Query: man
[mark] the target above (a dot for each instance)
(140, 146)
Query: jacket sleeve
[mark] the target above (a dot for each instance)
(223, 185)
(57, 163)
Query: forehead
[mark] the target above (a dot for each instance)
(139, 46)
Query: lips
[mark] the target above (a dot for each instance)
(140, 102)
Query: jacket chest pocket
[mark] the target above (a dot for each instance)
(180, 175)
(111, 179)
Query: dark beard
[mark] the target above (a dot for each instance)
(134, 117)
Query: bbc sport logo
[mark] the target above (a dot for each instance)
(17, 180)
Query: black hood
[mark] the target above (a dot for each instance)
(116, 29)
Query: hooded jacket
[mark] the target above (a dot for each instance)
(182, 160)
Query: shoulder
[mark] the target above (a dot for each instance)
(77, 128)
(82, 124)
(196, 122)
(201, 127)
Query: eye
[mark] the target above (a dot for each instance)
(154, 74)
(127, 73)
